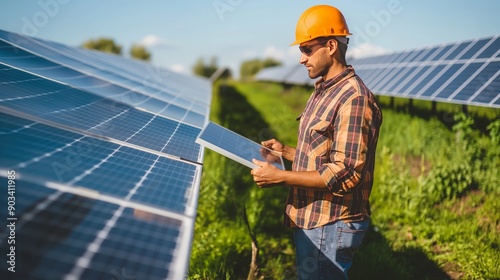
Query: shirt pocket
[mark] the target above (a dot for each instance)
(320, 139)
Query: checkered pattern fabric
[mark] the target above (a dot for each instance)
(337, 136)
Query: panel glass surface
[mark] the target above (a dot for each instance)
(156, 101)
(61, 234)
(442, 77)
(479, 81)
(492, 49)
(64, 105)
(55, 155)
(473, 51)
(459, 80)
(236, 147)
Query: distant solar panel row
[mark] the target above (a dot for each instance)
(107, 168)
(463, 73)
(290, 74)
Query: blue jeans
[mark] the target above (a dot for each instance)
(326, 252)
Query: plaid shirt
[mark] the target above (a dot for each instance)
(337, 136)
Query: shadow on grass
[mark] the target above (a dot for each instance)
(237, 114)
(376, 260)
(264, 206)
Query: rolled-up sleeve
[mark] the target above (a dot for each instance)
(350, 133)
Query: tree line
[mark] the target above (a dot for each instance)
(203, 68)
(248, 68)
(108, 45)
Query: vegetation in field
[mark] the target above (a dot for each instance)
(436, 212)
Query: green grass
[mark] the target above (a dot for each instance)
(436, 212)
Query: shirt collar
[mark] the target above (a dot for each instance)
(322, 85)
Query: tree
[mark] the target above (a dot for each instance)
(140, 52)
(251, 67)
(103, 44)
(199, 68)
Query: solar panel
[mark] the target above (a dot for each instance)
(105, 163)
(236, 147)
(65, 105)
(146, 89)
(463, 73)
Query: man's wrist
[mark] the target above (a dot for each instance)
(288, 152)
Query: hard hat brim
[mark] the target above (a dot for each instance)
(298, 42)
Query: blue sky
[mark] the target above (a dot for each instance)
(178, 32)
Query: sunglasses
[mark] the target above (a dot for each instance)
(307, 50)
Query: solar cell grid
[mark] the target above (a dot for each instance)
(391, 76)
(424, 79)
(488, 92)
(52, 154)
(70, 228)
(492, 49)
(67, 105)
(399, 57)
(402, 86)
(431, 88)
(478, 81)
(397, 80)
(426, 54)
(459, 78)
(474, 50)
(459, 50)
(411, 57)
(107, 161)
(441, 53)
(126, 87)
(154, 79)
(379, 76)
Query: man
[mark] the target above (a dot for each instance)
(333, 164)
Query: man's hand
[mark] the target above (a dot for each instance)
(266, 175)
(275, 145)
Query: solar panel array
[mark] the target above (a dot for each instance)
(106, 168)
(465, 72)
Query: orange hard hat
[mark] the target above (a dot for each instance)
(320, 21)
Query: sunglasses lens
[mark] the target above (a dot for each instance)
(305, 50)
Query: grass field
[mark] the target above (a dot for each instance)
(436, 212)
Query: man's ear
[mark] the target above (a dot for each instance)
(333, 45)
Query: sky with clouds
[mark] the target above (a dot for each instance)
(178, 32)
